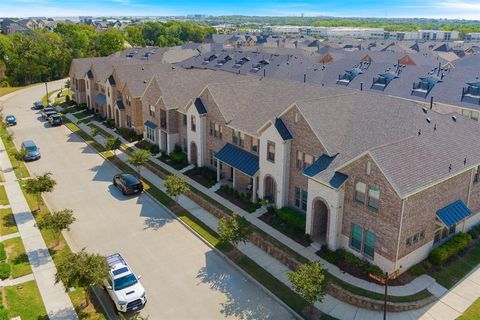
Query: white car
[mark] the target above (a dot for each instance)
(124, 286)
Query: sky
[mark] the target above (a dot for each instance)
(450, 9)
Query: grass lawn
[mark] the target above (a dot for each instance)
(83, 114)
(3, 196)
(102, 132)
(472, 313)
(50, 95)
(18, 166)
(7, 222)
(17, 258)
(7, 90)
(84, 312)
(25, 301)
(453, 272)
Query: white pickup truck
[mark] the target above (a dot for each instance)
(124, 286)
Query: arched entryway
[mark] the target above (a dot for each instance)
(193, 153)
(269, 189)
(319, 221)
(117, 118)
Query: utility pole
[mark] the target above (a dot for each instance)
(385, 297)
(46, 89)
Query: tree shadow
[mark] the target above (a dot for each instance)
(39, 257)
(63, 314)
(155, 216)
(244, 300)
(22, 258)
(9, 221)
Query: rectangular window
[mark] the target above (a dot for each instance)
(241, 141)
(369, 168)
(408, 242)
(308, 161)
(185, 145)
(360, 188)
(150, 134)
(298, 195)
(374, 197)
(475, 115)
(415, 238)
(369, 244)
(193, 125)
(466, 113)
(356, 237)
(211, 126)
(271, 151)
(422, 235)
(475, 174)
(216, 131)
(235, 137)
(299, 160)
(210, 152)
(151, 111)
(185, 120)
(129, 121)
(255, 145)
(304, 200)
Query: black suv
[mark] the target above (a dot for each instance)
(127, 183)
(55, 120)
(38, 105)
(47, 112)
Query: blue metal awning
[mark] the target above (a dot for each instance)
(239, 159)
(100, 99)
(453, 213)
(150, 124)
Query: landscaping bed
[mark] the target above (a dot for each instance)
(83, 114)
(350, 263)
(147, 145)
(238, 199)
(176, 159)
(285, 220)
(203, 175)
(129, 134)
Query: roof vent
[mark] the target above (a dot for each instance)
(435, 127)
(144, 81)
(450, 167)
(429, 120)
(454, 118)
(419, 131)
(425, 110)
(465, 161)
(143, 68)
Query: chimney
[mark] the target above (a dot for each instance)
(431, 102)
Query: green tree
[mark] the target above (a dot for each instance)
(134, 35)
(107, 42)
(233, 229)
(113, 144)
(38, 185)
(309, 282)
(57, 222)
(82, 270)
(175, 186)
(138, 158)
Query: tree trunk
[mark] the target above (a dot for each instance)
(87, 296)
(38, 202)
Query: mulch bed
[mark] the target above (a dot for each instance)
(201, 179)
(247, 206)
(272, 220)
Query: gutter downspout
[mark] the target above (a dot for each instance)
(399, 236)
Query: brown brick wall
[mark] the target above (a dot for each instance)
(385, 222)
(172, 121)
(137, 121)
(242, 181)
(304, 140)
(474, 201)
(182, 129)
(420, 209)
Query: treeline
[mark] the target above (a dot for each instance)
(44, 55)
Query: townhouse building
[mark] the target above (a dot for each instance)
(382, 177)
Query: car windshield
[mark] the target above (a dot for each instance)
(130, 180)
(10, 118)
(31, 148)
(124, 282)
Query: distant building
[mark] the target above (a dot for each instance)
(473, 36)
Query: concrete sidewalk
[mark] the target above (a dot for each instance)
(330, 306)
(56, 301)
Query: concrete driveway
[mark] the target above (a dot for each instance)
(183, 277)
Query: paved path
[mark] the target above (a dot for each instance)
(330, 306)
(9, 236)
(56, 301)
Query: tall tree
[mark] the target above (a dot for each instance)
(57, 222)
(233, 229)
(308, 281)
(38, 185)
(82, 270)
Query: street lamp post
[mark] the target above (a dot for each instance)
(385, 297)
(46, 89)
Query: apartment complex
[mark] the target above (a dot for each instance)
(383, 177)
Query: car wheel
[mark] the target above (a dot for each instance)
(114, 183)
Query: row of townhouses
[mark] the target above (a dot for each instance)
(383, 177)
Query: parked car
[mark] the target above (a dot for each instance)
(47, 112)
(55, 120)
(10, 120)
(127, 183)
(32, 152)
(123, 285)
(38, 105)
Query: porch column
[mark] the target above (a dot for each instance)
(218, 171)
(254, 189)
(233, 179)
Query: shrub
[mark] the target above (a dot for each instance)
(292, 217)
(179, 157)
(475, 232)
(154, 149)
(4, 270)
(342, 256)
(130, 134)
(450, 248)
(110, 123)
(82, 105)
(3, 253)
(3, 313)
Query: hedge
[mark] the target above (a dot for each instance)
(450, 248)
(4, 270)
(343, 256)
